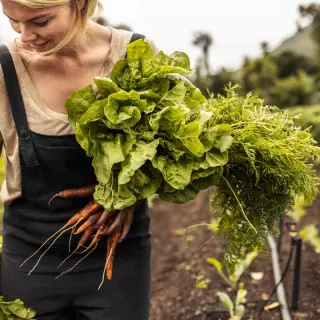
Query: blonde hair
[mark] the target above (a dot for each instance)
(85, 10)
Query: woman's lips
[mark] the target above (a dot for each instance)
(37, 46)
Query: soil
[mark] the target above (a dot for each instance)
(175, 264)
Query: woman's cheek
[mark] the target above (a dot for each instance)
(15, 27)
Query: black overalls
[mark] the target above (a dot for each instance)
(50, 164)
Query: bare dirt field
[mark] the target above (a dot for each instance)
(174, 296)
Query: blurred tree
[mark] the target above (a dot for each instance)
(203, 74)
(246, 61)
(264, 47)
(299, 27)
(123, 26)
(204, 41)
(292, 91)
(104, 22)
(289, 63)
(312, 11)
(200, 78)
(220, 80)
(259, 76)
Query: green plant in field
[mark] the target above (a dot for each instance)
(297, 211)
(14, 310)
(232, 279)
(236, 308)
(310, 234)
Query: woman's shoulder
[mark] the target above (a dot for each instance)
(3, 91)
(121, 38)
(11, 46)
(15, 56)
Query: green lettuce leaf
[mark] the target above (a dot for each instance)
(162, 64)
(141, 153)
(192, 190)
(189, 136)
(106, 86)
(78, 103)
(138, 49)
(174, 96)
(168, 119)
(110, 152)
(121, 108)
(10, 310)
(175, 173)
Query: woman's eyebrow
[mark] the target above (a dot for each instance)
(34, 18)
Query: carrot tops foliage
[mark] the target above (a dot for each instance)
(270, 164)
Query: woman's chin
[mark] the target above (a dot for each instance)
(40, 47)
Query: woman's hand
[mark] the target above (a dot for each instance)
(114, 221)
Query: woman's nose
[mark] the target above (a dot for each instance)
(27, 34)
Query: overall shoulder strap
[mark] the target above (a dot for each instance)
(17, 107)
(136, 36)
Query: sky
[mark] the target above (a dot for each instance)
(237, 27)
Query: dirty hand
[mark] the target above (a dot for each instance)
(119, 220)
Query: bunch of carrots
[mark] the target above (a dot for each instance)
(93, 221)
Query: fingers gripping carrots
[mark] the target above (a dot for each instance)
(89, 223)
(95, 223)
(91, 208)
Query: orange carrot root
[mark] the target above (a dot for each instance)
(89, 223)
(95, 239)
(86, 235)
(111, 248)
(93, 245)
(91, 208)
(75, 193)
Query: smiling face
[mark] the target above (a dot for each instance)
(39, 29)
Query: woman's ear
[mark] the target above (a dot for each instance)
(81, 3)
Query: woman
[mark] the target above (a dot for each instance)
(60, 49)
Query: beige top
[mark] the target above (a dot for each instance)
(41, 119)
